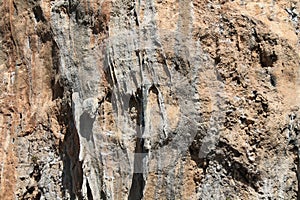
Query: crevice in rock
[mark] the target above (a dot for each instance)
(38, 13)
(267, 59)
(69, 147)
(110, 71)
(103, 195)
(138, 181)
(217, 60)
(273, 80)
(32, 194)
(15, 7)
(181, 65)
(72, 177)
(57, 90)
(139, 105)
(89, 191)
(44, 33)
(36, 173)
(73, 5)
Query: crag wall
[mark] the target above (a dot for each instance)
(149, 99)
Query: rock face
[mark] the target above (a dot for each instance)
(156, 99)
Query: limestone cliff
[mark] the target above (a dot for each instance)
(149, 99)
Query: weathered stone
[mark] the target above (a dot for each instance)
(149, 99)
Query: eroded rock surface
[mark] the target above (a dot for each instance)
(164, 99)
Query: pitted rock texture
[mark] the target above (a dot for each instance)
(156, 99)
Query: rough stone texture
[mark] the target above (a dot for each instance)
(156, 99)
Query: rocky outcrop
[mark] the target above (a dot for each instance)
(149, 99)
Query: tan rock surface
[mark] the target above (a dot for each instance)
(158, 99)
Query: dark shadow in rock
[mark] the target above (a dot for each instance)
(234, 168)
(69, 148)
(273, 80)
(89, 191)
(138, 182)
(57, 89)
(267, 59)
(38, 14)
(86, 126)
(226, 157)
